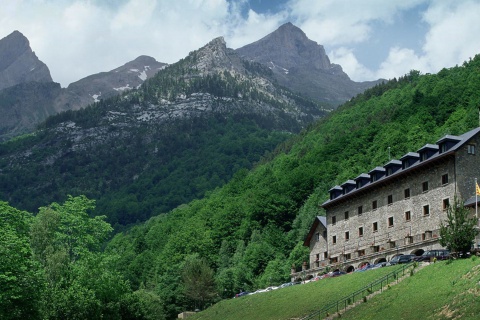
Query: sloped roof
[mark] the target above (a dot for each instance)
(316, 222)
(461, 140)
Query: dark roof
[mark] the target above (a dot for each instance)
(460, 141)
(428, 146)
(363, 176)
(471, 201)
(349, 182)
(393, 163)
(410, 155)
(381, 169)
(318, 220)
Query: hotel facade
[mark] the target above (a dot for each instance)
(394, 209)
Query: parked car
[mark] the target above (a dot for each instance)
(241, 294)
(441, 254)
(403, 258)
(288, 284)
(338, 273)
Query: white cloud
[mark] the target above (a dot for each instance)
(76, 38)
(453, 36)
(346, 58)
(399, 62)
(344, 22)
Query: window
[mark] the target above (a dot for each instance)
(443, 147)
(471, 149)
(348, 256)
(334, 220)
(334, 260)
(360, 210)
(325, 255)
(376, 248)
(375, 226)
(426, 210)
(361, 252)
(445, 178)
(317, 236)
(317, 256)
(390, 222)
(347, 236)
(445, 204)
(334, 239)
(374, 205)
(425, 186)
(390, 199)
(406, 192)
(408, 216)
(325, 234)
(346, 215)
(360, 232)
(423, 156)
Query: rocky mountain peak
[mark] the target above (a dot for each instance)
(287, 47)
(18, 63)
(302, 65)
(214, 56)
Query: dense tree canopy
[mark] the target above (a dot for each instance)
(251, 230)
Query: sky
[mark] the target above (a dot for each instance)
(370, 39)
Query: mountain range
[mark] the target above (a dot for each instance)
(28, 94)
(302, 65)
(184, 131)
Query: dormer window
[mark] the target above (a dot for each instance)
(447, 142)
(471, 149)
(427, 151)
(443, 148)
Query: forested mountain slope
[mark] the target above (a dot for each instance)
(251, 230)
(183, 132)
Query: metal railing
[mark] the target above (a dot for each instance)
(343, 303)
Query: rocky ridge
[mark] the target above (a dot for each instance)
(303, 66)
(18, 63)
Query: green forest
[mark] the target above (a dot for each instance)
(243, 235)
(135, 170)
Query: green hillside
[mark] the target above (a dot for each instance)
(183, 132)
(244, 235)
(438, 291)
(251, 230)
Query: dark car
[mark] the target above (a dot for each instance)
(404, 258)
(337, 273)
(241, 294)
(441, 254)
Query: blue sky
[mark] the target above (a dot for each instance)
(370, 39)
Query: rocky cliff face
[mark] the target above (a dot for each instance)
(28, 94)
(303, 66)
(18, 63)
(107, 84)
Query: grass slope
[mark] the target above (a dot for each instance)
(438, 291)
(291, 302)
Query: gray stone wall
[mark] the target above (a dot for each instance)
(467, 168)
(318, 246)
(394, 227)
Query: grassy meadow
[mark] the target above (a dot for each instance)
(438, 291)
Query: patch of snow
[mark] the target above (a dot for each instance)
(32, 69)
(143, 76)
(96, 96)
(134, 70)
(146, 68)
(127, 87)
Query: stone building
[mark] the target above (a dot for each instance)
(395, 209)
